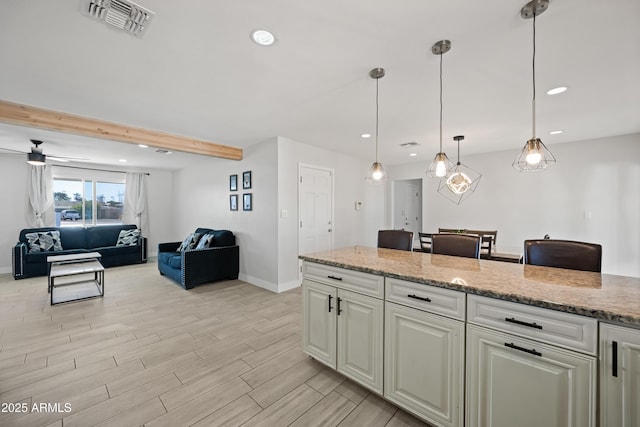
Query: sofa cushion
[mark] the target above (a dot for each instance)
(41, 257)
(45, 241)
(190, 242)
(102, 236)
(73, 237)
(201, 230)
(206, 241)
(175, 261)
(128, 237)
(108, 251)
(223, 238)
(163, 257)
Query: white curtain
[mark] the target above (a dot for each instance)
(40, 212)
(135, 202)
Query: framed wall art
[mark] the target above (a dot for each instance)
(247, 202)
(233, 202)
(233, 182)
(246, 180)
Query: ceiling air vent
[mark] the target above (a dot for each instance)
(409, 144)
(124, 15)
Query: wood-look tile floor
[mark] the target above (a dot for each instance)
(150, 353)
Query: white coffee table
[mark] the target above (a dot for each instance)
(78, 288)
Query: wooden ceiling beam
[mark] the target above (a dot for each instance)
(24, 115)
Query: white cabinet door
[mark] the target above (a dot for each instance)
(319, 333)
(514, 381)
(424, 364)
(619, 376)
(360, 338)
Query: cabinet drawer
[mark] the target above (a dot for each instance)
(550, 326)
(428, 298)
(356, 281)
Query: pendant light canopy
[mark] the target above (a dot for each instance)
(534, 156)
(440, 166)
(462, 182)
(377, 174)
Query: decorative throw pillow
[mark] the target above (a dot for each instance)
(205, 241)
(190, 242)
(44, 241)
(128, 238)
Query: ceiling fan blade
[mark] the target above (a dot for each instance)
(65, 158)
(13, 151)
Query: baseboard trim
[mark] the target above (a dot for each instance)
(283, 287)
(273, 287)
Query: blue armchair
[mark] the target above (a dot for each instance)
(220, 260)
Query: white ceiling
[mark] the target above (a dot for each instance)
(196, 73)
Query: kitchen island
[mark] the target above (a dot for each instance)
(462, 341)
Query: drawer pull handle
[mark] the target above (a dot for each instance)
(614, 358)
(330, 296)
(420, 298)
(339, 309)
(526, 350)
(520, 322)
(335, 278)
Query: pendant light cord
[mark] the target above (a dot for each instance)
(441, 53)
(377, 79)
(533, 67)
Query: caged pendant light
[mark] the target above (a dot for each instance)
(377, 174)
(440, 166)
(462, 182)
(534, 156)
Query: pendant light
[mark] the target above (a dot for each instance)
(376, 175)
(534, 156)
(440, 166)
(462, 182)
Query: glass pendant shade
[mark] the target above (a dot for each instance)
(534, 156)
(376, 174)
(440, 166)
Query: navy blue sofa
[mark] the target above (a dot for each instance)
(74, 240)
(219, 261)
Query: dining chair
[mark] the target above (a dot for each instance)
(395, 239)
(455, 244)
(563, 254)
(425, 241)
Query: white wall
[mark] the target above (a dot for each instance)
(591, 194)
(350, 227)
(14, 176)
(201, 194)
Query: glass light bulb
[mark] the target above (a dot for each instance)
(377, 175)
(459, 183)
(533, 157)
(441, 169)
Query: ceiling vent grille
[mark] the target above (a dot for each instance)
(124, 15)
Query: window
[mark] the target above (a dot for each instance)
(90, 200)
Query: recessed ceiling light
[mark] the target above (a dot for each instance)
(555, 132)
(556, 90)
(123, 160)
(143, 146)
(263, 37)
(365, 135)
(413, 154)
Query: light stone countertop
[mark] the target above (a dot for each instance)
(602, 296)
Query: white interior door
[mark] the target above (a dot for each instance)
(407, 205)
(315, 209)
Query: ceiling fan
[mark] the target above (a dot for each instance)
(37, 157)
